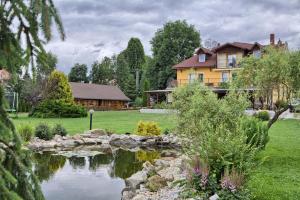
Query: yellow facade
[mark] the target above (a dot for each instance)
(210, 76)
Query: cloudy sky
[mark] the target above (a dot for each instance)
(98, 28)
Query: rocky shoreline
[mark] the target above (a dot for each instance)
(103, 141)
(156, 181)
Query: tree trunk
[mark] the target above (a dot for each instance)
(276, 116)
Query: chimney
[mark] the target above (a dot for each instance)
(272, 39)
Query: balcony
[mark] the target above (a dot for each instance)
(210, 82)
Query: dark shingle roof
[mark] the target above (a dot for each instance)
(95, 91)
(211, 61)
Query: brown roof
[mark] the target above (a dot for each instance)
(95, 91)
(241, 45)
(211, 61)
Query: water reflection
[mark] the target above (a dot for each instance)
(95, 177)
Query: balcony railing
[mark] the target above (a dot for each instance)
(210, 82)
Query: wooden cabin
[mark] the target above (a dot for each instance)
(99, 97)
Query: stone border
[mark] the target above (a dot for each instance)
(103, 140)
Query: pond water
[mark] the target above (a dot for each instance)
(88, 178)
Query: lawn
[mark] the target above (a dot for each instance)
(279, 176)
(116, 121)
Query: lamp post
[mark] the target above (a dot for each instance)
(91, 111)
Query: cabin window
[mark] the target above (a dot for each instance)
(202, 57)
(192, 77)
(201, 78)
(257, 54)
(225, 76)
(231, 60)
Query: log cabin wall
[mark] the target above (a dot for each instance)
(99, 104)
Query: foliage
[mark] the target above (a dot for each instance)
(25, 26)
(78, 73)
(135, 56)
(58, 108)
(148, 129)
(214, 127)
(58, 129)
(43, 132)
(262, 115)
(173, 43)
(45, 64)
(102, 73)
(256, 131)
(283, 72)
(58, 88)
(161, 105)
(145, 87)
(138, 102)
(26, 132)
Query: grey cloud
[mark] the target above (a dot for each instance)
(109, 24)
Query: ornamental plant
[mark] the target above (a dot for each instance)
(148, 129)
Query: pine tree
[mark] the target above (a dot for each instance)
(30, 18)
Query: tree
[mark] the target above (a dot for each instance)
(172, 44)
(30, 21)
(135, 57)
(58, 88)
(278, 71)
(46, 63)
(102, 73)
(78, 73)
(125, 79)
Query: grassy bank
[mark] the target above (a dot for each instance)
(278, 178)
(116, 121)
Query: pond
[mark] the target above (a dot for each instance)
(91, 177)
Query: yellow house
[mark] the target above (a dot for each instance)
(217, 66)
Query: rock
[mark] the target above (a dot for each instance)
(94, 132)
(68, 143)
(162, 163)
(123, 141)
(48, 144)
(127, 195)
(140, 197)
(214, 197)
(136, 179)
(156, 182)
(148, 168)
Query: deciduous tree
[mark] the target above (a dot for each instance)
(173, 43)
(277, 71)
(78, 73)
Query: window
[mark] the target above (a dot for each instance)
(201, 78)
(192, 77)
(202, 57)
(231, 60)
(225, 76)
(257, 54)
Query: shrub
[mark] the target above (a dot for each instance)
(161, 105)
(57, 108)
(26, 132)
(138, 102)
(148, 129)
(58, 129)
(43, 132)
(256, 131)
(263, 115)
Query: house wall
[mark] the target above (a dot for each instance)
(222, 56)
(101, 104)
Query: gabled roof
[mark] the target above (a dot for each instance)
(211, 61)
(95, 91)
(241, 45)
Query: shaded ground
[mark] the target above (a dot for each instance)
(116, 121)
(278, 178)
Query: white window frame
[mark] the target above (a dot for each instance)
(202, 57)
(192, 77)
(257, 54)
(225, 78)
(231, 58)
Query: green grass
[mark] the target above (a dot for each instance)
(116, 121)
(279, 176)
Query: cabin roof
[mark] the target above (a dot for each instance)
(96, 91)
